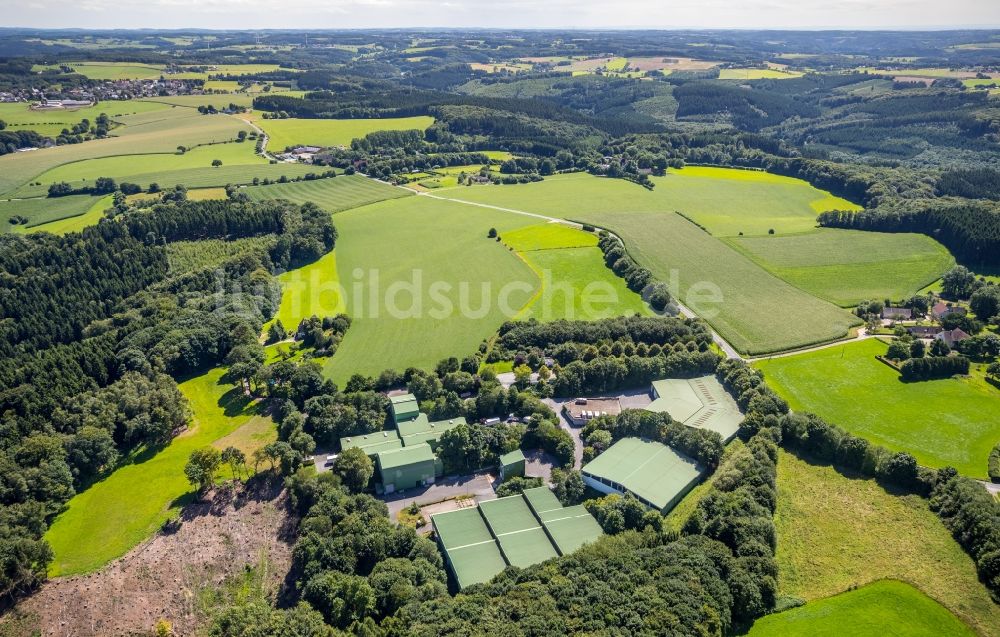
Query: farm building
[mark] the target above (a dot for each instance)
(408, 467)
(698, 402)
(404, 408)
(420, 429)
(897, 313)
(942, 310)
(951, 338)
(373, 443)
(924, 331)
(512, 464)
(520, 530)
(651, 471)
(582, 410)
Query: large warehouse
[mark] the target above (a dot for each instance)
(520, 530)
(698, 402)
(651, 471)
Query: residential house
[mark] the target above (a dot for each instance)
(951, 338)
(923, 331)
(943, 310)
(897, 313)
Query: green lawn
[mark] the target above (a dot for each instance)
(850, 266)
(836, 531)
(333, 195)
(883, 608)
(106, 520)
(548, 236)
(949, 422)
(74, 224)
(41, 211)
(116, 70)
(284, 133)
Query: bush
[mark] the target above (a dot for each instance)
(916, 369)
(994, 464)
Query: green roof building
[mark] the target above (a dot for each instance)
(407, 467)
(420, 430)
(373, 443)
(519, 530)
(404, 408)
(651, 471)
(702, 403)
(512, 464)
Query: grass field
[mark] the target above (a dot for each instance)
(837, 531)
(387, 245)
(726, 201)
(881, 608)
(51, 122)
(757, 74)
(848, 266)
(105, 521)
(74, 224)
(126, 167)
(548, 236)
(312, 290)
(40, 211)
(284, 133)
(333, 195)
(152, 132)
(941, 422)
(115, 70)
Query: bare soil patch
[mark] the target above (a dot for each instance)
(162, 578)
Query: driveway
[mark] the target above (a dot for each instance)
(631, 399)
(479, 486)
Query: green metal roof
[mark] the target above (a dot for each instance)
(527, 547)
(460, 528)
(404, 457)
(404, 407)
(572, 529)
(541, 499)
(511, 458)
(476, 563)
(421, 426)
(698, 402)
(507, 515)
(374, 442)
(651, 470)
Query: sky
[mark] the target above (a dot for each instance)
(339, 14)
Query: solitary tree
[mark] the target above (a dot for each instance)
(216, 162)
(201, 467)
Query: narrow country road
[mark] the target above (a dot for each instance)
(863, 335)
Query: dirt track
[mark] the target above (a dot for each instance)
(161, 578)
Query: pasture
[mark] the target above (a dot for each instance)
(849, 266)
(575, 283)
(51, 122)
(115, 70)
(726, 201)
(286, 133)
(330, 194)
(124, 167)
(947, 422)
(75, 223)
(41, 211)
(113, 515)
(870, 611)
(757, 74)
(423, 282)
(757, 312)
(836, 531)
(159, 132)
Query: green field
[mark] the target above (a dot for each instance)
(76, 223)
(51, 122)
(849, 266)
(949, 422)
(726, 201)
(836, 531)
(115, 70)
(284, 133)
(333, 195)
(105, 521)
(126, 167)
(41, 211)
(886, 607)
(576, 285)
(387, 244)
(757, 74)
(151, 132)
